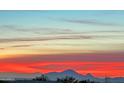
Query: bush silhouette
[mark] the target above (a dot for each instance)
(67, 79)
(41, 78)
(4, 81)
(86, 81)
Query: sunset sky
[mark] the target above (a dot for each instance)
(48, 41)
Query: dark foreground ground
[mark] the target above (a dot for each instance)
(33, 81)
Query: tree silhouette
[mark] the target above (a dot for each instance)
(67, 79)
(4, 81)
(107, 79)
(86, 81)
(41, 78)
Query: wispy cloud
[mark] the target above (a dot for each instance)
(46, 38)
(90, 22)
(15, 46)
(34, 29)
(59, 37)
(71, 57)
(21, 46)
(2, 48)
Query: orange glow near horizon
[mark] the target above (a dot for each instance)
(99, 69)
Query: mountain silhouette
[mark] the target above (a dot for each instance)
(53, 76)
(70, 73)
(89, 75)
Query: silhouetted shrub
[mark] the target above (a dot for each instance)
(67, 79)
(86, 81)
(41, 78)
(3, 81)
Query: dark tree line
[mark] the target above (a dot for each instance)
(41, 78)
(66, 79)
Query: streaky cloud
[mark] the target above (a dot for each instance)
(2, 48)
(21, 45)
(89, 22)
(76, 57)
(22, 28)
(45, 38)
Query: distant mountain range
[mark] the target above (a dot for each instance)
(71, 73)
(54, 75)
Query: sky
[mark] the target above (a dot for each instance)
(55, 40)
